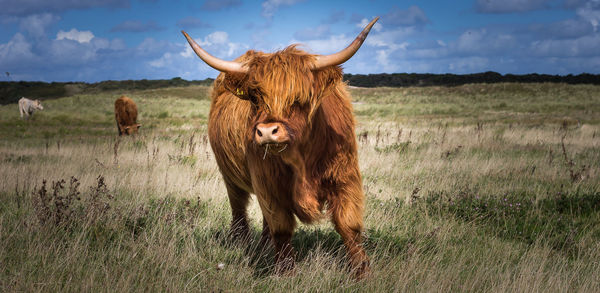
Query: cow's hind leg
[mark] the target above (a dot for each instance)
(238, 200)
(346, 210)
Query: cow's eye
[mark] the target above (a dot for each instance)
(253, 99)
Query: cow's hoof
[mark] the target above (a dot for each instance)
(361, 271)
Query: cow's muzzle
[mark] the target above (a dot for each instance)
(272, 136)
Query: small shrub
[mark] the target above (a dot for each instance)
(63, 207)
(56, 207)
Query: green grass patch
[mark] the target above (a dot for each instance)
(561, 220)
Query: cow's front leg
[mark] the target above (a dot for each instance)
(238, 200)
(284, 253)
(280, 225)
(265, 235)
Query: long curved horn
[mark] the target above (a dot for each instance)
(214, 62)
(343, 56)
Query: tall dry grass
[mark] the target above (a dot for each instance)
(461, 196)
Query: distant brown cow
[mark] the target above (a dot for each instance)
(126, 116)
(281, 126)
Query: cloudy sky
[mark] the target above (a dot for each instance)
(94, 40)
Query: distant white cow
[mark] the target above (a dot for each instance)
(27, 106)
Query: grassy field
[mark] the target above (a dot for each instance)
(471, 188)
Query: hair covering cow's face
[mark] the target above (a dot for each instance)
(284, 90)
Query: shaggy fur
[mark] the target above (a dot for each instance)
(316, 172)
(126, 116)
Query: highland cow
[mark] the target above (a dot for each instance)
(281, 126)
(126, 116)
(27, 107)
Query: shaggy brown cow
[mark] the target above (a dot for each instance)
(281, 127)
(126, 116)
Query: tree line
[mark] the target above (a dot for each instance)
(10, 92)
(427, 79)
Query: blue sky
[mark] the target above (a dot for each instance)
(95, 40)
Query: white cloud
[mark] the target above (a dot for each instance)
(428, 53)
(363, 23)
(470, 40)
(151, 48)
(586, 46)
(391, 38)
(269, 7)
(16, 51)
(70, 53)
(591, 12)
(37, 24)
(75, 35)
(469, 64)
(482, 42)
(187, 52)
(162, 61)
(384, 62)
(217, 37)
(177, 58)
(113, 45)
(564, 29)
(233, 48)
(330, 45)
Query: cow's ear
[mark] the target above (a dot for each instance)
(326, 78)
(237, 84)
(138, 126)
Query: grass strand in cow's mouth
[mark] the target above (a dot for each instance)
(276, 148)
(266, 150)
